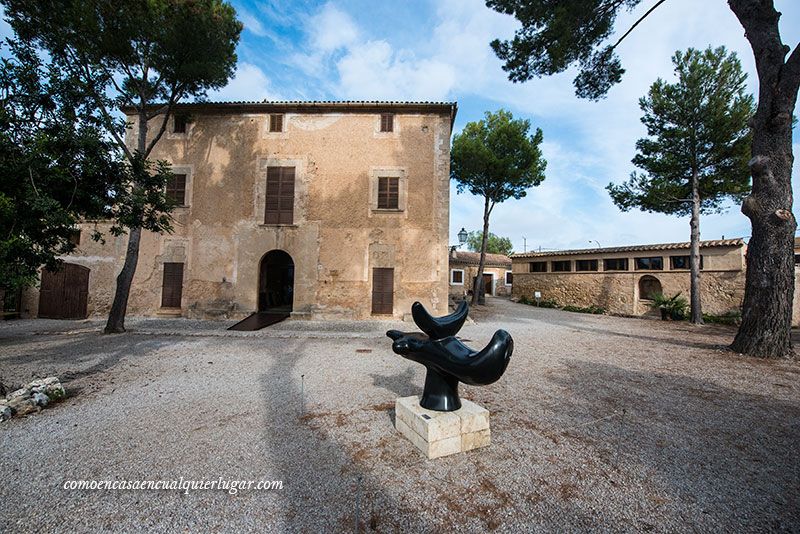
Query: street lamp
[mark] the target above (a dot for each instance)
(462, 236)
(594, 241)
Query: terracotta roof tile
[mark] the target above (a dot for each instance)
(474, 258)
(632, 248)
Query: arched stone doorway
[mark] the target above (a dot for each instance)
(276, 282)
(648, 287)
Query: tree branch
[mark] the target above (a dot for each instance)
(790, 77)
(627, 33)
(176, 95)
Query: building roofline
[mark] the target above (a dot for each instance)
(315, 106)
(632, 248)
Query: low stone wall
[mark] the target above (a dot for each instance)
(721, 291)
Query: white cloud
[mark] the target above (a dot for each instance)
(251, 23)
(372, 70)
(249, 83)
(332, 29)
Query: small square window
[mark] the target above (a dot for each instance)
(655, 263)
(615, 264)
(538, 267)
(75, 237)
(457, 277)
(179, 124)
(509, 278)
(387, 122)
(176, 189)
(276, 122)
(585, 265)
(562, 266)
(682, 262)
(388, 192)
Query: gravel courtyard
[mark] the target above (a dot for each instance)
(600, 423)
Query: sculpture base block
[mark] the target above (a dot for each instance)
(439, 434)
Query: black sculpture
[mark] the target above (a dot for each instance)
(447, 359)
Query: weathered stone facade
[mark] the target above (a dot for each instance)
(338, 234)
(620, 291)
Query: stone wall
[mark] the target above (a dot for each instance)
(722, 291)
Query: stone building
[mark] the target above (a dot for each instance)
(623, 279)
(327, 209)
(464, 268)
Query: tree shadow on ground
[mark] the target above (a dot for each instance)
(727, 459)
(71, 356)
(323, 478)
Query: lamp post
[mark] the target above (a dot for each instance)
(462, 236)
(594, 241)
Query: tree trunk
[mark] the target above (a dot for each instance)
(478, 296)
(769, 288)
(694, 255)
(116, 317)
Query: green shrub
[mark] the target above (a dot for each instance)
(543, 303)
(730, 318)
(673, 307)
(596, 310)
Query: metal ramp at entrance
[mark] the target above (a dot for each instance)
(259, 320)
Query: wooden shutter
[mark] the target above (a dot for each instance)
(387, 122)
(179, 124)
(176, 189)
(172, 286)
(276, 122)
(279, 205)
(382, 290)
(388, 192)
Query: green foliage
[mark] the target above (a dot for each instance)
(56, 166)
(144, 56)
(494, 243)
(555, 35)
(144, 52)
(698, 124)
(543, 303)
(731, 318)
(674, 306)
(596, 310)
(496, 158)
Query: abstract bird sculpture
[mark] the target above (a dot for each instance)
(447, 359)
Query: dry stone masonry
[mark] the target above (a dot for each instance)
(31, 398)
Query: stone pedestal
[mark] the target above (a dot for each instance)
(439, 434)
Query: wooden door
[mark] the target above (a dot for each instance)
(382, 291)
(64, 294)
(172, 285)
(487, 284)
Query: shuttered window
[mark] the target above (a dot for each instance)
(388, 193)
(382, 290)
(172, 285)
(276, 122)
(279, 206)
(179, 124)
(387, 122)
(176, 189)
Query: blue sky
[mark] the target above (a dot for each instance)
(439, 50)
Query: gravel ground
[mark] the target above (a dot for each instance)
(600, 423)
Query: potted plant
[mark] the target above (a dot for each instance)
(673, 307)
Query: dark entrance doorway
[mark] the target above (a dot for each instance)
(276, 282)
(487, 284)
(64, 293)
